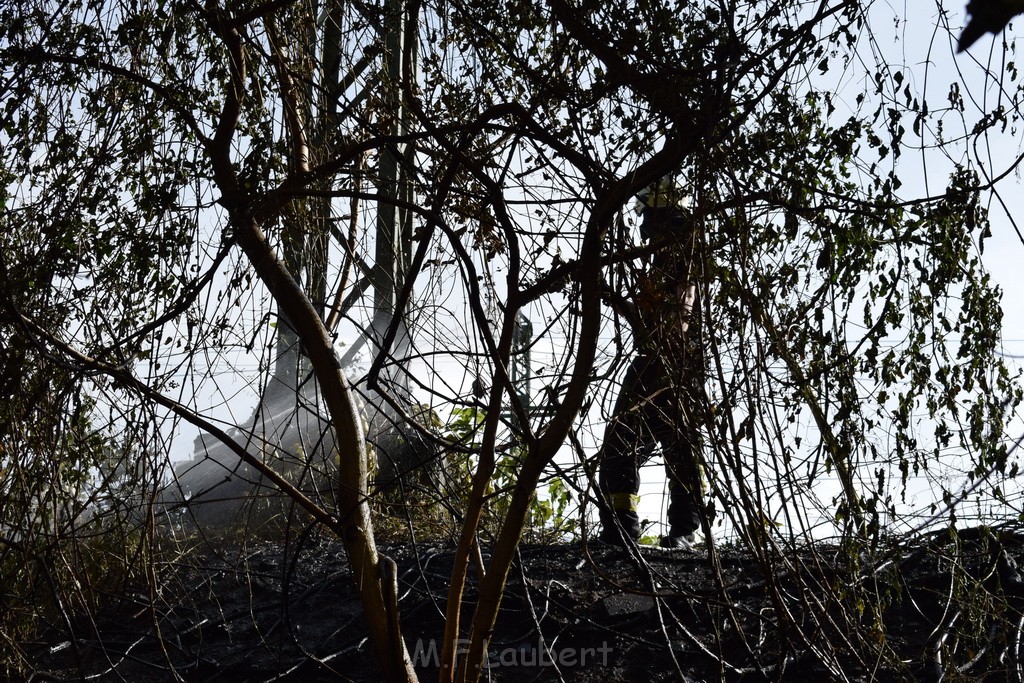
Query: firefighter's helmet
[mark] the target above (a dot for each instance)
(664, 193)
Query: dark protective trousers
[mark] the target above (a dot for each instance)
(648, 414)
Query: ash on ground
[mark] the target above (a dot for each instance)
(289, 612)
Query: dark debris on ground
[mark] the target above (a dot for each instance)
(271, 612)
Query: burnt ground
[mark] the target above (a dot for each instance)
(269, 612)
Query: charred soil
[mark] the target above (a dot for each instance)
(289, 611)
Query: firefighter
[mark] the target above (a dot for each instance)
(657, 403)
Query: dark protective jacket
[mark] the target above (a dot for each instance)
(666, 294)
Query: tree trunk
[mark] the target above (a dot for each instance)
(543, 449)
(355, 525)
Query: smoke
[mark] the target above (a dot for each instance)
(289, 431)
